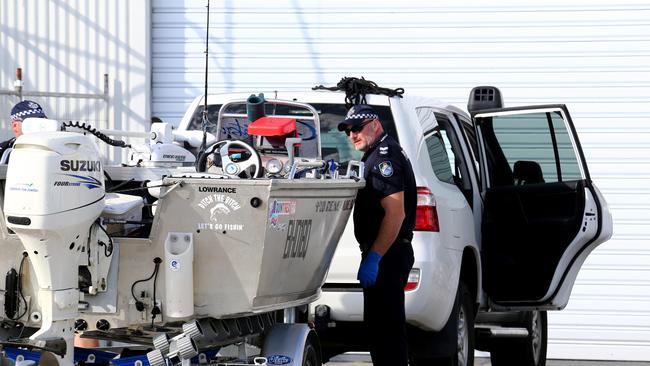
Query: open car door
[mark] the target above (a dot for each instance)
(542, 213)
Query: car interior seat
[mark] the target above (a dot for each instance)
(527, 172)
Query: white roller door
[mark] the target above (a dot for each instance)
(592, 55)
(65, 48)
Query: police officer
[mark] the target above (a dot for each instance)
(384, 217)
(22, 110)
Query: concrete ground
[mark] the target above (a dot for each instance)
(363, 359)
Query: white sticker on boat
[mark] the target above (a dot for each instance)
(217, 208)
(219, 226)
(211, 200)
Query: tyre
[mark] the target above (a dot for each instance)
(529, 351)
(462, 331)
(310, 355)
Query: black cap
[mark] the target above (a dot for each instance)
(27, 109)
(356, 115)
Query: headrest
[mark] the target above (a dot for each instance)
(527, 172)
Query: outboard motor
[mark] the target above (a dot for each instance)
(53, 194)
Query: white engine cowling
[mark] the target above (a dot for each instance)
(54, 192)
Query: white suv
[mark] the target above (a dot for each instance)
(507, 214)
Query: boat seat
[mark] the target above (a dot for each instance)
(273, 129)
(122, 206)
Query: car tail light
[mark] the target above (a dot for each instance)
(426, 216)
(413, 281)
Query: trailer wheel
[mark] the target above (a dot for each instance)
(530, 351)
(310, 355)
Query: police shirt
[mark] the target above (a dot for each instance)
(387, 171)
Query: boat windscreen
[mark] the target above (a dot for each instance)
(334, 144)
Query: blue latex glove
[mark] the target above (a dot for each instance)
(368, 270)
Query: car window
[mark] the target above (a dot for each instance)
(441, 160)
(470, 137)
(197, 117)
(569, 164)
(444, 150)
(334, 144)
(537, 148)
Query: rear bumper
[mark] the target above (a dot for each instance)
(426, 306)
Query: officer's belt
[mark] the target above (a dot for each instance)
(365, 248)
(402, 241)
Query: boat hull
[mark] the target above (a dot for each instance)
(259, 245)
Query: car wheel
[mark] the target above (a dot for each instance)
(530, 351)
(310, 355)
(464, 333)
(464, 329)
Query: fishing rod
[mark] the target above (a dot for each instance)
(204, 121)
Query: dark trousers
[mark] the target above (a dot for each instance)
(383, 308)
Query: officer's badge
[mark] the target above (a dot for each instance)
(386, 169)
(32, 105)
(383, 150)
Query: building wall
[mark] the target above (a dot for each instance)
(67, 47)
(593, 55)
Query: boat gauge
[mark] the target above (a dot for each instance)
(274, 166)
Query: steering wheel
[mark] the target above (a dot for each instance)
(234, 165)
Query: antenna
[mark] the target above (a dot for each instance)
(204, 121)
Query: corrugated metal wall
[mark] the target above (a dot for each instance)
(592, 55)
(66, 47)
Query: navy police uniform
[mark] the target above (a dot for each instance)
(4, 145)
(387, 171)
(22, 110)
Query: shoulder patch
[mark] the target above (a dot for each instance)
(383, 150)
(386, 168)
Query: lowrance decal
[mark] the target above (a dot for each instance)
(231, 190)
